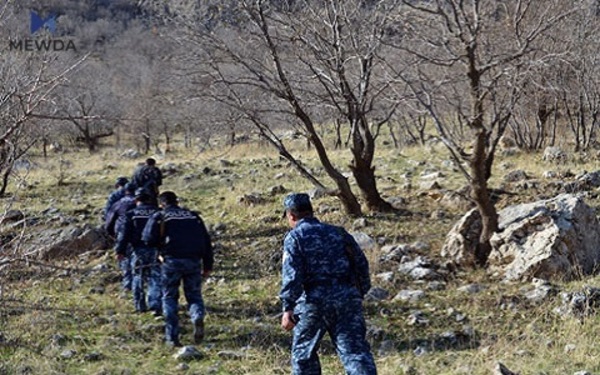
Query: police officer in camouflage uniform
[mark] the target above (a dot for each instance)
(115, 219)
(187, 253)
(324, 278)
(115, 196)
(144, 259)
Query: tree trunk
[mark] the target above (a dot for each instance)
(364, 174)
(363, 150)
(348, 199)
(118, 135)
(187, 137)
(554, 125)
(481, 196)
(146, 136)
(480, 165)
(91, 144)
(338, 135)
(5, 176)
(45, 147)
(392, 135)
(167, 138)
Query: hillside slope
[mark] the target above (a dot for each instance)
(65, 315)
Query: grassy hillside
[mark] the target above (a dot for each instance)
(67, 316)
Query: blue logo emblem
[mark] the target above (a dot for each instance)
(38, 22)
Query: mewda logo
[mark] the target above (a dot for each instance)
(37, 22)
(37, 25)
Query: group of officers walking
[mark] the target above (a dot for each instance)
(325, 274)
(159, 245)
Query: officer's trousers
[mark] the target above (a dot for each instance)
(126, 267)
(146, 273)
(344, 321)
(174, 272)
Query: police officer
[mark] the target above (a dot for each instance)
(149, 177)
(144, 259)
(325, 276)
(115, 219)
(185, 246)
(115, 195)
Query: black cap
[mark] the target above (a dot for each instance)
(168, 198)
(130, 188)
(121, 181)
(141, 193)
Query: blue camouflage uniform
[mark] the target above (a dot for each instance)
(115, 196)
(323, 284)
(144, 259)
(115, 219)
(185, 246)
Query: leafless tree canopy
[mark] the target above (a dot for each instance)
(469, 62)
(474, 71)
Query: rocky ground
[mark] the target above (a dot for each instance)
(428, 313)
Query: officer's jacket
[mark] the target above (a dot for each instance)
(116, 215)
(113, 198)
(147, 176)
(320, 262)
(131, 231)
(179, 233)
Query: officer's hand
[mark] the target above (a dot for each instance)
(120, 257)
(206, 273)
(287, 320)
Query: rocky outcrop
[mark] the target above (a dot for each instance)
(557, 238)
(461, 240)
(549, 239)
(554, 154)
(69, 242)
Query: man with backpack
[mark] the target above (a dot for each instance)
(184, 244)
(149, 177)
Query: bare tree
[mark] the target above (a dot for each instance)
(26, 94)
(302, 64)
(142, 79)
(576, 81)
(466, 63)
(343, 52)
(29, 83)
(561, 96)
(88, 106)
(533, 123)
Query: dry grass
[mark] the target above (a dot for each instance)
(43, 316)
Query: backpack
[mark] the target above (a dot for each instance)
(147, 177)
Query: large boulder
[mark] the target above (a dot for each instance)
(462, 239)
(70, 241)
(554, 154)
(366, 242)
(557, 238)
